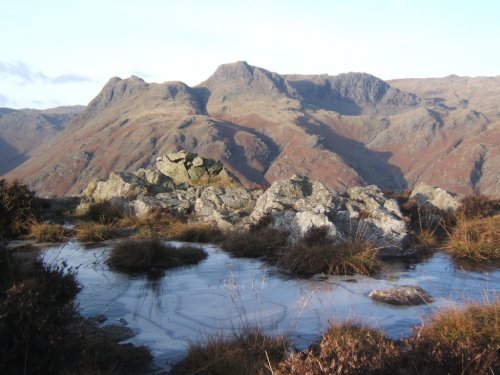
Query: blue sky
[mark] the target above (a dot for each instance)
(62, 52)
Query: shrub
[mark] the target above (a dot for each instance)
(247, 353)
(477, 239)
(93, 232)
(47, 232)
(34, 318)
(180, 231)
(17, 207)
(458, 341)
(477, 206)
(105, 212)
(143, 255)
(345, 349)
(256, 243)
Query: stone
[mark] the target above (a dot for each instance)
(402, 295)
(185, 167)
(224, 207)
(366, 213)
(198, 162)
(435, 198)
(120, 184)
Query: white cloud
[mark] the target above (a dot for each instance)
(25, 74)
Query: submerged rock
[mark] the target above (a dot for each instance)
(402, 295)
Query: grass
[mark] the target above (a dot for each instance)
(256, 243)
(47, 232)
(307, 258)
(478, 206)
(193, 232)
(476, 239)
(427, 239)
(247, 353)
(458, 341)
(345, 349)
(105, 212)
(93, 232)
(136, 256)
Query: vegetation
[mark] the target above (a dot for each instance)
(477, 206)
(42, 332)
(316, 254)
(105, 212)
(136, 256)
(345, 349)
(90, 231)
(477, 239)
(47, 232)
(256, 243)
(193, 232)
(458, 341)
(18, 206)
(247, 353)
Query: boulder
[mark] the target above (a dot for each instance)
(402, 295)
(224, 207)
(435, 198)
(364, 212)
(120, 184)
(185, 167)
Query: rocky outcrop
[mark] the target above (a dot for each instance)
(129, 185)
(402, 295)
(365, 212)
(435, 198)
(184, 166)
(297, 204)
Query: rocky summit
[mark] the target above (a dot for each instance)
(346, 130)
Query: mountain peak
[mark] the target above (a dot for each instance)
(116, 89)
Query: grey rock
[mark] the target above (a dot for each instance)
(435, 198)
(402, 295)
(198, 162)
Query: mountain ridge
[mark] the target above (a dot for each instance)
(344, 130)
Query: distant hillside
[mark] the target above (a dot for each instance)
(344, 130)
(21, 131)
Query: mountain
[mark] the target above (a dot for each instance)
(21, 131)
(343, 130)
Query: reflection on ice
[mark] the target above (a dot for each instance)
(221, 294)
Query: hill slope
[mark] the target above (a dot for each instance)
(344, 130)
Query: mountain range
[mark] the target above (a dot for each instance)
(344, 130)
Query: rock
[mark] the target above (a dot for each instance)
(143, 206)
(402, 295)
(198, 162)
(185, 167)
(157, 182)
(224, 207)
(435, 198)
(297, 224)
(120, 184)
(366, 213)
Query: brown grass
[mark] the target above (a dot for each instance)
(47, 232)
(477, 239)
(135, 256)
(350, 257)
(458, 341)
(93, 232)
(247, 353)
(427, 239)
(105, 212)
(193, 232)
(260, 242)
(345, 349)
(478, 206)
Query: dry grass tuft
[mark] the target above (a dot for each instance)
(427, 239)
(345, 349)
(458, 341)
(247, 353)
(135, 256)
(193, 232)
(349, 257)
(477, 239)
(47, 232)
(93, 232)
(256, 243)
(105, 212)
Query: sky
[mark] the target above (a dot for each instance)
(61, 52)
